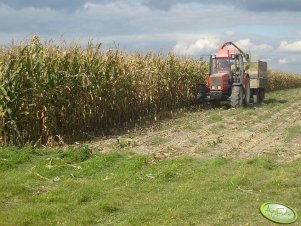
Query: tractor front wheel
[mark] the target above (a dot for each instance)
(236, 98)
(201, 93)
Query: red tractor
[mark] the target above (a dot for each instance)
(229, 78)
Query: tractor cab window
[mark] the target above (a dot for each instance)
(220, 65)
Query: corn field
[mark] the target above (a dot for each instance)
(282, 80)
(50, 92)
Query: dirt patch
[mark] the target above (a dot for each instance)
(231, 133)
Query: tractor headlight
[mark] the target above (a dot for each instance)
(213, 87)
(219, 87)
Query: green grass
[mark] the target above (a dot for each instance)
(193, 127)
(157, 140)
(293, 132)
(124, 142)
(218, 128)
(215, 118)
(76, 187)
(201, 150)
(265, 116)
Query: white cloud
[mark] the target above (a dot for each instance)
(115, 7)
(290, 59)
(205, 44)
(246, 45)
(290, 47)
(132, 25)
(283, 61)
(254, 5)
(230, 33)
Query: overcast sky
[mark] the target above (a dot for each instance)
(269, 29)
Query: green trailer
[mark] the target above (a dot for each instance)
(258, 74)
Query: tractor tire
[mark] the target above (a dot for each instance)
(247, 93)
(236, 98)
(201, 92)
(261, 95)
(256, 98)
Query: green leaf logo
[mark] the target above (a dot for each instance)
(278, 213)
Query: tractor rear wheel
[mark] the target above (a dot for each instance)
(261, 95)
(236, 98)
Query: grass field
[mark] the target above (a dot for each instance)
(200, 167)
(40, 187)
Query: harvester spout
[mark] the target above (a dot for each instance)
(246, 56)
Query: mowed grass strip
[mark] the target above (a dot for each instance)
(293, 132)
(77, 187)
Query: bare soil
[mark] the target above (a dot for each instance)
(269, 128)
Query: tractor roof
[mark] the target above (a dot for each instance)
(225, 53)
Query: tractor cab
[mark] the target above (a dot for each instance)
(230, 66)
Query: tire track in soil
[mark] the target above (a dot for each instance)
(244, 136)
(272, 139)
(180, 138)
(267, 135)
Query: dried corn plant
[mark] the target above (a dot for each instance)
(53, 91)
(282, 80)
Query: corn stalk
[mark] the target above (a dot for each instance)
(49, 92)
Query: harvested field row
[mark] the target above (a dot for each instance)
(273, 127)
